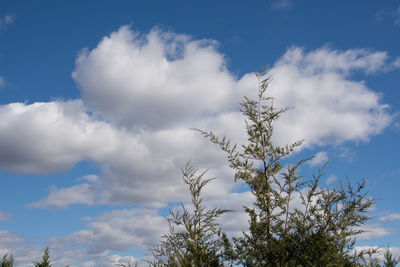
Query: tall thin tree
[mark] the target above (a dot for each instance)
(321, 230)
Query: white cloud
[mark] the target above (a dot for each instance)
(117, 259)
(49, 137)
(8, 238)
(92, 178)
(2, 81)
(117, 230)
(154, 80)
(326, 61)
(23, 252)
(5, 216)
(236, 222)
(373, 231)
(319, 158)
(6, 20)
(281, 4)
(152, 88)
(121, 230)
(393, 14)
(326, 107)
(62, 198)
(390, 217)
(332, 178)
(396, 63)
(396, 14)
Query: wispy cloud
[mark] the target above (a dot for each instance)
(396, 14)
(281, 5)
(331, 178)
(390, 217)
(396, 63)
(393, 14)
(5, 216)
(373, 231)
(319, 158)
(62, 198)
(6, 20)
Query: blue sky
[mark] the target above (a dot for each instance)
(98, 98)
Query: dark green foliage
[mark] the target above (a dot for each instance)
(7, 261)
(194, 238)
(45, 259)
(317, 230)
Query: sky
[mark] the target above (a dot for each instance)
(98, 98)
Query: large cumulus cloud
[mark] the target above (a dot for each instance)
(154, 80)
(143, 92)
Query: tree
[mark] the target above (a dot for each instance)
(45, 259)
(194, 238)
(320, 230)
(389, 261)
(7, 261)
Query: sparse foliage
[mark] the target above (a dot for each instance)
(194, 238)
(318, 231)
(45, 259)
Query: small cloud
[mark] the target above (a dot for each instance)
(396, 63)
(379, 15)
(5, 216)
(391, 13)
(6, 20)
(63, 197)
(2, 81)
(281, 5)
(346, 154)
(396, 14)
(93, 178)
(86, 218)
(320, 158)
(235, 39)
(397, 127)
(373, 231)
(390, 217)
(332, 178)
